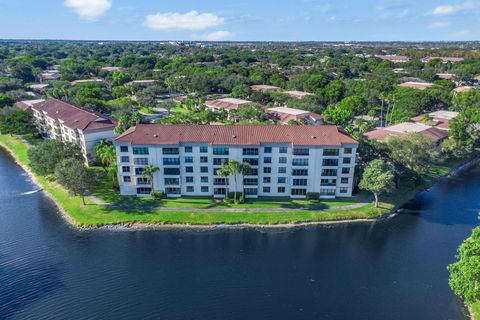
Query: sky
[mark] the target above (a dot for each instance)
(241, 20)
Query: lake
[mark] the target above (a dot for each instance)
(392, 269)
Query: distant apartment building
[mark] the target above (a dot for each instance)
(285, 115)
(227, 104)
(62, 121)
(394, 58)
(286, 161)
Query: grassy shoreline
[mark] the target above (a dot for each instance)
(93, 215)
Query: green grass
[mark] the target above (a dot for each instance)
(95, 215)
(475, 308)
(147, 110)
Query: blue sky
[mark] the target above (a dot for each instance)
(240, 20)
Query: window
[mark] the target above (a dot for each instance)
(188, 169)
(204, 179)
(344, 180)
(328, 182)
(266, 189)
(188, 149)
(144, 190)
(347, 160)
(327, 192)
(300, 162)
(190, 189)
(221, 151)
(203, 149)
(203, 159)
(171, 171)
(220, 161)
(171, 161)
(219, 191)
(125, 159)
(282, 150)
(127, 179)
(204, 169)
(282, 160)
(142, 181)
(267, 170)
(330, 152)
(299, 192)
(140, 161)
(251, 191)
(250, 151)
(282, 180)
(250, 182)
(139, 171)
(125, 169)
(172, 181)
(267, 179)
(330, 162)
(343, 190)
(252, 162)
(281, 189)
(329, 172)
(299, 172)
(347, 151)
(267, 150)
(267, 160)
(282, 170)
(140, 150)
(300, 182)
(301, 151)
(173, 191)
(189, 179)
(220, 181)
(253, 172)
(170, 151)
(345, 170)
(188, 159)
(204, 189)
(123, 149)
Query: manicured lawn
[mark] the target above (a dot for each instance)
(475, 311)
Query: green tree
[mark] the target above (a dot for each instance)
(45, 156)
(224, 171)
(345, 110)
(105, 151)
(148, 172)
(16, 121)
(23, 71)
(465, 273)
(252, 112)
(238, 169)
(6, 101)
(120, 78)
(72, 174)
(126, 118)
(378, 177)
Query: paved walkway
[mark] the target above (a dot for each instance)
(313, 208)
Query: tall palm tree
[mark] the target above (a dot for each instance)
(236, 168)
(148, 173)
(224, 172)
(105, 151)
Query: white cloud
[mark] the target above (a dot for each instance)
(449, 9)
(89, 9)
(214, 36)
(188, 21)
(462, 33)
(440, 24)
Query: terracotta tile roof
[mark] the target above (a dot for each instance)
(74, 117)
(154, 134)
(286, 114)
(28, 104)
(264, 87)
(226, 103)
(463, 89)
(382, 134)
(298, 94)
(416, 85)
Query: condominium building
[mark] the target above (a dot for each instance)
(62, 121)
(286, 161)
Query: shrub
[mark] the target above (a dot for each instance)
(313, 196)
(157, 195)
(231, 195)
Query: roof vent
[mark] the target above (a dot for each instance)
(155, 135)
(313, 137)
(234, 136)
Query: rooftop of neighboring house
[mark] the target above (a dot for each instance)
(72, 116)
(227, 103)
(438, 119)
(394, 58)
(284, 114)
(417, 85)
(444, 59)
(264, 87)
(27, 105)
(156, 134)
(463, 89)
(112, 69)
(141, 82)
(298, 94)
(446, 76)
(39, 86)
(75, 82)
(402, 129)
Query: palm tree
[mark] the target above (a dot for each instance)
(148, 173)
(237, 168)
(225, 172)
(105, 151)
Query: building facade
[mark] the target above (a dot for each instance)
(286, 161)
(62, 121)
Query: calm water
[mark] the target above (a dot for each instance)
(388, 270)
